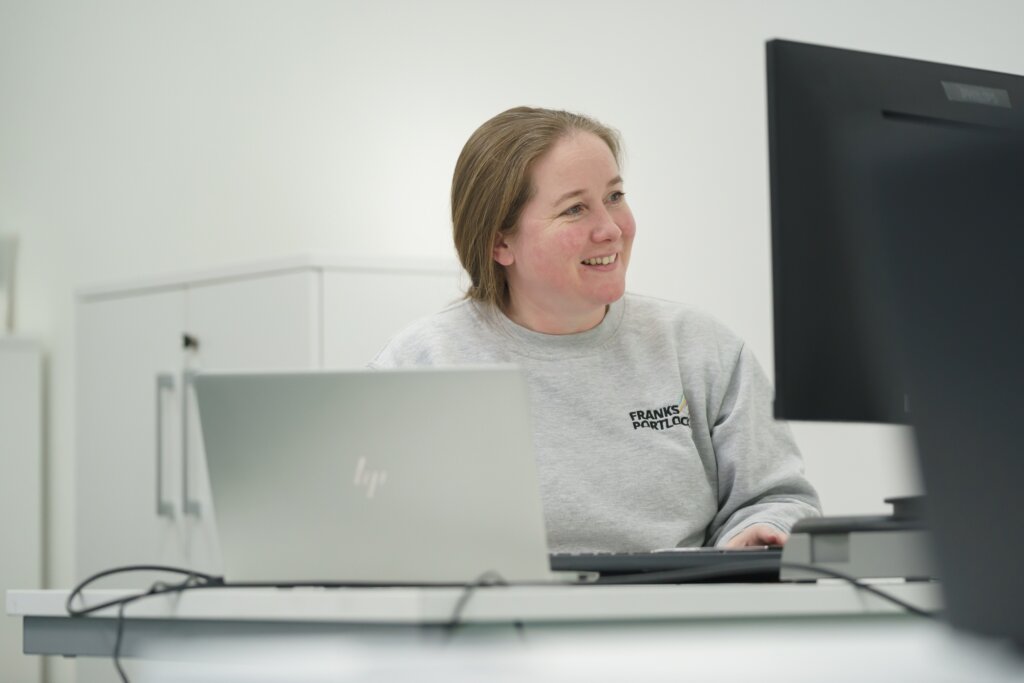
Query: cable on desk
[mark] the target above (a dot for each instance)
(193, 579)
(856, 583)
(488, 578)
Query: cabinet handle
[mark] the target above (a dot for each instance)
(163, 382)
(190, 507)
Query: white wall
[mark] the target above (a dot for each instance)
(142, 137)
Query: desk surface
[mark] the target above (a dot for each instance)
(792, 633)
(554, 603)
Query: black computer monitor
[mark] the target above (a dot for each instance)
(897, 193)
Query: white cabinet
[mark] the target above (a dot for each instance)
(142, 493)
(129, 367)
(21, 492)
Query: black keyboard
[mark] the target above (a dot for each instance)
(678, 565)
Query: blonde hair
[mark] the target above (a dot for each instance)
(492, 183)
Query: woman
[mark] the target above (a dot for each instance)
(652, 422)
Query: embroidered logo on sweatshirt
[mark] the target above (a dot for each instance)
(664, 417)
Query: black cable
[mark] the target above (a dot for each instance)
(193, 579)
(856, 583)
(488, 578)
(155, 589)
(117, 643)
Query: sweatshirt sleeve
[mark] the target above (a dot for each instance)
(760, 470)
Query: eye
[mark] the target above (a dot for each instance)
(616, 197)
(574, 210)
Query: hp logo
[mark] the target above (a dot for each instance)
(369, 479)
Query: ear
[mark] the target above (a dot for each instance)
(503, 251)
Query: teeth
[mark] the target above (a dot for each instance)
(600, 261)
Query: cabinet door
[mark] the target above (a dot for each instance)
(128, 403)
(363, 309)
(261, 323)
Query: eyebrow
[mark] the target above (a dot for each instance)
(575, 193)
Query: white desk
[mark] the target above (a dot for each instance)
(776, 632)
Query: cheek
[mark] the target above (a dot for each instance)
(557, 249)
(554, 259)
(568, 243)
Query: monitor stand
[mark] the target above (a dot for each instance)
(864, 547)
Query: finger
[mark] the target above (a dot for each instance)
(742, 539)
(769, 536)
(735, 542)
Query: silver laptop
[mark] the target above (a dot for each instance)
(393, 477)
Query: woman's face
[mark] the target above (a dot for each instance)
(567, 260)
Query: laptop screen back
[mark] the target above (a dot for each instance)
(395, 477)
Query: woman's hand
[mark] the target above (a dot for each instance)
(758, 534)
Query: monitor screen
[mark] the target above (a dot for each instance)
(897, 191)
(850, 136)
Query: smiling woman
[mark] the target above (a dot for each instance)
(495, 181)
(566, 259)
(652, 421)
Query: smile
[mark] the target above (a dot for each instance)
(600, 260)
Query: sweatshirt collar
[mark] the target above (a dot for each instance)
(554, 346)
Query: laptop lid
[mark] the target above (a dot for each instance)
(392, 476)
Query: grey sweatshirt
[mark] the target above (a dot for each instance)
(651, 430)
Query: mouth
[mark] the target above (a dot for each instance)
(600, 260)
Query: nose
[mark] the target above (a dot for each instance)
(605, 229)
